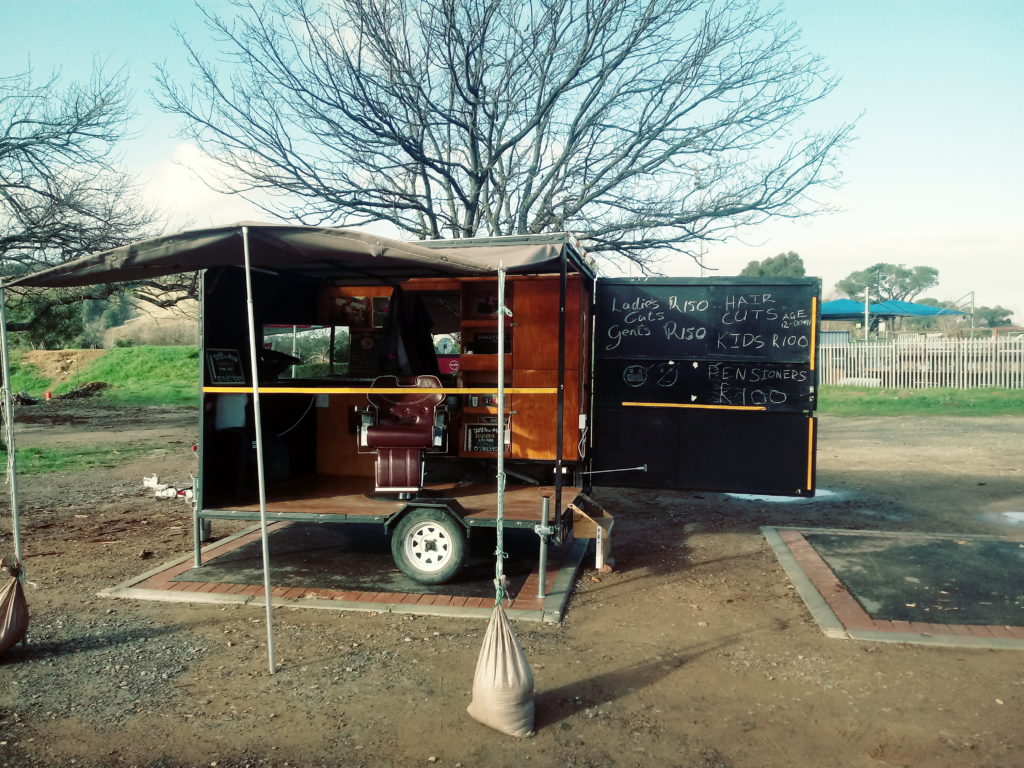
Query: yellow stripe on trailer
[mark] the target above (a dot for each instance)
(810, 453)
(814, 326)
(379, 390)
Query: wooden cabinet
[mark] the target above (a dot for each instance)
(531, 361)
(535, 352)
(478, 365)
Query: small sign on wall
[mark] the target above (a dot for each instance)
(482, 436)
(224, 366)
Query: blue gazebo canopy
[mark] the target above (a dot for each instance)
(848, 309)
(842, 309)
(909, 309)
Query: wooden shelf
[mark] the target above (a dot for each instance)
(483, 363)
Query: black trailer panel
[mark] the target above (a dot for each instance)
(729, 451)
(709, 382)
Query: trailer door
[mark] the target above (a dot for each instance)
(710, 383)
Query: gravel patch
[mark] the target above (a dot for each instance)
(99, 671)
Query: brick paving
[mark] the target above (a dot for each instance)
(852, 615)
(524, 600)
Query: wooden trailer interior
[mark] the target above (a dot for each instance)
(314, 466)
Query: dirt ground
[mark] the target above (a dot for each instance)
(695, 652)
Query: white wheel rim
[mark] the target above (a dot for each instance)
(428, 547)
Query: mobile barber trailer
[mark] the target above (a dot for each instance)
(348, 378)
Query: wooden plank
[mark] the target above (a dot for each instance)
(534, 422)
(483, 363)
(439, 284)
(521, 502)
(336, 448)
(536, 315)
(329, 495)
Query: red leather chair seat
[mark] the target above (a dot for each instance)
(399, 436)
(405, 428)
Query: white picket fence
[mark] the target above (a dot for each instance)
(919, 362)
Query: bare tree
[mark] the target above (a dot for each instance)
(640, 125)
(62, 194)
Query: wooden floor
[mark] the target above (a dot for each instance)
(347, 497)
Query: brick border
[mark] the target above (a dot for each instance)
(839, 614)
(159, 584)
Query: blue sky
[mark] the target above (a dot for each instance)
(934, 177)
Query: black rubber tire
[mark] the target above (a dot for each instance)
(429, 546)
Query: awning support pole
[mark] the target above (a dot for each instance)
(8, 416)
(543, 531)
(200, 526)
(499, 551)
(261, 480)
(563, 291)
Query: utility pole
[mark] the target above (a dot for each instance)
(960, 302)
(867, 298)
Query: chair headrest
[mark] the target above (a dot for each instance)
(387, 400)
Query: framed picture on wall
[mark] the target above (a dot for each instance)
(381, 306)
(353, 311)
(224, 366)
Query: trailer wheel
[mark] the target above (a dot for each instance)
(429, 546)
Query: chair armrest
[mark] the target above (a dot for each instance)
(441, 421)
(367, 418)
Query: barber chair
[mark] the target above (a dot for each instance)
(400, 428)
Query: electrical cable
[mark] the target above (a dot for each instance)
(299, 421)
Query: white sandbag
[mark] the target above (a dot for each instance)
(13, 606)
(503, 684)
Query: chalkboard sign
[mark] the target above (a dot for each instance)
(737, 319)
(482, 438)
(774, 386)
(722, 342)
(224, 366)
(710, 383)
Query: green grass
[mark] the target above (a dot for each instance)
(149, 375)
(870, 401)
(38, 461)
(27, 378)
(145, 375)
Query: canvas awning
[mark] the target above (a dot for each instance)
(340, 254)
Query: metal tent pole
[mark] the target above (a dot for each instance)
(563, 279)
(8, 416)
(261, 481)
(499, 567)
(200, 526)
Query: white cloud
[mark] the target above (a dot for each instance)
(175, 186)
